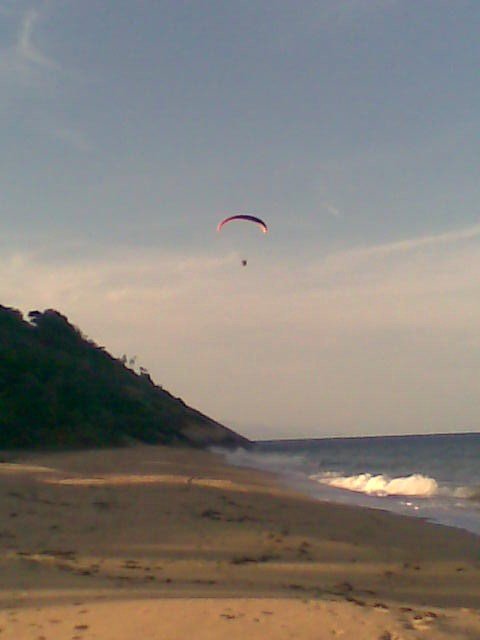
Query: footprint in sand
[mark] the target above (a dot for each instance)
(422, 623)
(131, 564)
(297, 587)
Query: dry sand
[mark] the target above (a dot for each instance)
(161, 543)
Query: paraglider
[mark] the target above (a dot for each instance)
(258, 221)
(254, 219)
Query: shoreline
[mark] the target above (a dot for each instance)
(436, 508)
(331, 495)
(178, 530)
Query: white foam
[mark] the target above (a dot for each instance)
(381, 485)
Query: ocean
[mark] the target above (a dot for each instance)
(436, 477)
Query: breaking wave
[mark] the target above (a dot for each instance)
(381, 485)
(295, 466)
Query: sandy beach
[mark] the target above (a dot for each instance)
(163, 543)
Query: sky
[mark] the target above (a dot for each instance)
(130, 129)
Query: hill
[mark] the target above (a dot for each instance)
(59, 389)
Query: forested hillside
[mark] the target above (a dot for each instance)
(59, 389)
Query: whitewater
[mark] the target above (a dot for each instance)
(436, 477)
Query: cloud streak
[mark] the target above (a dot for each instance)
(409, 245)
(332, 209)
(425, 250)
(26, 71)
(26, 48)
(23, 62)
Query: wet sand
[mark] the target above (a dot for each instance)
(169, 543)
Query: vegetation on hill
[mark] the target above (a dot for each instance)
(59, 389)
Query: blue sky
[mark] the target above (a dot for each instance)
(129, 129)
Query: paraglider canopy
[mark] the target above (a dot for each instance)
(254, 219)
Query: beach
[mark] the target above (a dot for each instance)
(167, 543)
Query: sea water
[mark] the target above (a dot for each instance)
(436, 477)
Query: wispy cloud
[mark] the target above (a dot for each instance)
(27, 72)
(413, 244)
(26, 48)
(332, 209)
(22, 62)
(403, 253)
